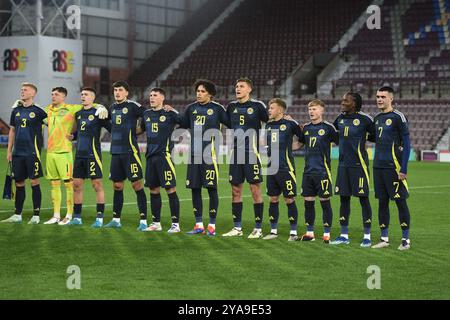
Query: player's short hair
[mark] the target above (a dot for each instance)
(60, 90)
(30, 85)
(122, 84)
(159, 90)
(90, 89)
(358, 100)
(316, 102)
(279, 102)
(209, 86)
(246, 80)
(387, 89)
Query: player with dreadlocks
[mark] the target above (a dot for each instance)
(354, 127)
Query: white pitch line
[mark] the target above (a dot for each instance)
(125, 204)
(425, 187)
(432, 192)
(430, 187)
(224, 197)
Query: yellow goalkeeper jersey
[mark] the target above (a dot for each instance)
(60, 123)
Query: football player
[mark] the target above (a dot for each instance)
(125, 160)
(280, 133)
(390, 166)
(88, 157)
(24, 150)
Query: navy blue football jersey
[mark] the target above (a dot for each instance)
(159, 126)
(201, 118)
(89, 128)
(317, 139)
(124, 120)
(354, 130)
(27, 122)
(244, 117)
(391, 127)
(281, 132)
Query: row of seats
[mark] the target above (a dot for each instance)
(177, 43)
(265, 40)
(423, 18)
(428, 119)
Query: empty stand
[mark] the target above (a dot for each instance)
(182, 38)
(422, 57)
(265, 40)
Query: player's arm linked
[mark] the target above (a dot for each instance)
(101, 112)
(18, 103)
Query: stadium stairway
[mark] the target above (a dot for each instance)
(182, 38)
(444, 142)
(410, 49)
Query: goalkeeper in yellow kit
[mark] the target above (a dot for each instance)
(59, 164)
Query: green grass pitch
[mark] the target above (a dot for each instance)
(126, 264)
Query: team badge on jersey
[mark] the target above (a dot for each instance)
(235, 111)
(250, 111)
(32, 115)
(125, 110)
(210, 112)
(91, 117)
(283, 127)
(388, 122)
(321, 132)
(356, 122)
(162, 118)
